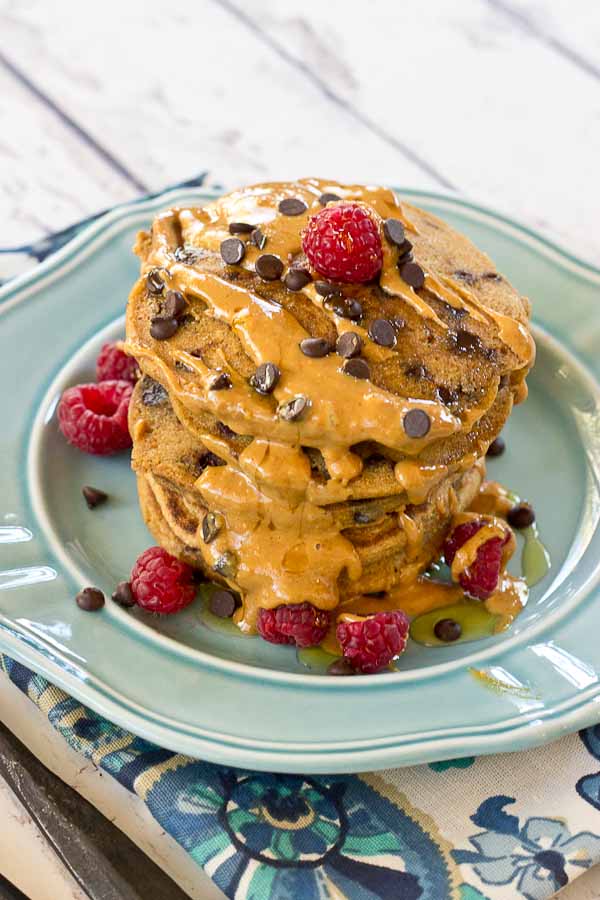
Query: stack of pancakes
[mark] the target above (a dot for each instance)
(278, 466)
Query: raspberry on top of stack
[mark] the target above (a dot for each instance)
(323, 369)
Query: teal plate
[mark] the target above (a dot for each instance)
(192, 686)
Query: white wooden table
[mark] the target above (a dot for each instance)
(498, 100)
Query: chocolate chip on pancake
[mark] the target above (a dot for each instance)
(315, 346)
(326, 289)
(162, 329)
(413, 274)
(241, 228)
(155, 281)
(405, 253)
(292, 206)
(222, 382)
(446, 395)
(382, 332)
(258, 238)
(328, 197)
(465, 342)
(497, 447)
(349, 344)
(393, 229)
(153, 393)
(416, 423)
(174, 306)
(346, 307)
(467, 277)
(233, 251)
(358, 368)
(265, 378)
(187, 255)
(211, 526)
(208, 458)
(293, 409)
(269, 267)
(296, 279)
(227, 565)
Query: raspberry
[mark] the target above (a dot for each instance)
(160, 583)
(370, 644)
(343, 243)
(114, 365)
(295, 623)
(481, 578)
(93, 417)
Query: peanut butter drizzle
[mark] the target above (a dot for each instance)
(287, 548)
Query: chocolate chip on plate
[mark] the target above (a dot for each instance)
(521, 516)
(155, 281)
(123, 595)
(174, 306)
(413, 274)
(269, 267)
(497, 447)
(393, 229)
(382, 332)
(358, 368)
(265, 378)
(90, 599)
(349, 344)
(233, 251)
(221, 383)
(293, 409)
(416, 423)
(346, 307)
(447, 630)
(241, 228)
(162, 329)
(93, 496)
(222, 603)
(341, 666)
(328, 197)
(296, 279)
(211, 526)
(315, 346)
(292, 206)
(258, 238)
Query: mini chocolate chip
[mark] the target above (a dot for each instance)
(447, 630)
(93, 496)
(382, 332)
(241, 228)
(504, 382)
(492, 276)
(221, 383)
(265, 378)
(416, 423)
(258, 238)
(211, 526)
(404, 252)
(155, 281)
(398, 322)
(222, 603)
(416, 370)
(361, 517)
(187, 255)
(315, 347)
(162, 329)
(292, 206)
(153, 393)
(225, 431)
(349, 344)
(393, 229)
(464, 342)
(208, 458)
(227, 565)
(90, 599)
(446, 395)
(521, 516)
(413, 274)
(346, 307)
(174, 306)
(296, 279)
(467, 277)
(497, 447)
(293, 409)
(358, 368)
(269, 267)
(325, 289)
(341, 666)
(233, 251)
(328, 197)
(123, 595)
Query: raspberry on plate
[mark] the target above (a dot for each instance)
(371, 643)
(114, 365)
(481, 578)
(160, 583)
(93, 417)
(343, 243)
(301, 624)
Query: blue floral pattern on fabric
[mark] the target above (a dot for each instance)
(588, 786)
(536, 856)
